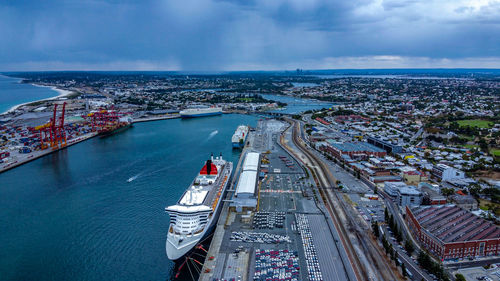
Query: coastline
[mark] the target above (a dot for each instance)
(61, 93)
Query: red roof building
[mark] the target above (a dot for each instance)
(450, 232)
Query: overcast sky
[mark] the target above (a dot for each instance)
(248, 34)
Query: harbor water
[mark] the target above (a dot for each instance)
(95, 211)
(12, 93)
(297, 105)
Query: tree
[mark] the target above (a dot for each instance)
(447, 191)
(460, 277)
(409, 247)
(403, 269)
(474, 190)
(424, 260)
(399, 235)
(386, 215)
(375, 229)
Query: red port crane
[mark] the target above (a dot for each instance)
(105, 120)
(52, 133)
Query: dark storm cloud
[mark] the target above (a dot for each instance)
(254, 34)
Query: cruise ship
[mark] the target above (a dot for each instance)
(200, 112)
(195, 215)
(240, 136)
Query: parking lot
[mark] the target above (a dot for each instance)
(277, 244)
(276, 265)
(368, 209)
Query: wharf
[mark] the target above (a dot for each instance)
(40, 153)
(285, 191)
(25, 158)
(156, 118)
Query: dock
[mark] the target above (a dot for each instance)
(156, 118)
(287, 235)
(41, 153)
(23, 159)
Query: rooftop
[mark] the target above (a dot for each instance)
(409, 191)
(355, 146)
(247, 182)
(251, 161)
(451, 224)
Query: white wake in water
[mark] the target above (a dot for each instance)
(131, 179)
(212, 134)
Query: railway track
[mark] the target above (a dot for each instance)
(324, 180)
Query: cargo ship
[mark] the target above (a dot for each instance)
(240, 136)
(196, 213)
(200, 112)
(121, 125)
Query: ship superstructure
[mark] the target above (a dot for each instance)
(197, 211)
(239, 137)
(200, 112)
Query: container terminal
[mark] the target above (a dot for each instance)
(32, 136)
(271, 226)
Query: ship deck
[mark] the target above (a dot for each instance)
(226, 173)
(207, 193)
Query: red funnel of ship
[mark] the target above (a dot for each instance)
(209, 169)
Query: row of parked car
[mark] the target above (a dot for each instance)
(276, 265)
(313, 269)
(270, 220)
(259, 237)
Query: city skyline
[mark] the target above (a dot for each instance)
(255, 35)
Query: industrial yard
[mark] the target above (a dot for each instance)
(40, 134)
(284, 238)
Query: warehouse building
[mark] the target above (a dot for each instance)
(409, 196)
(404, 195)
(391, 188)
(444, 172)
(245, 194)
(354, 150)
(385, 145)
(450, 232)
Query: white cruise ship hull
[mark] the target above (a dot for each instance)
(181, 242)
(176, 250)
(200, 112)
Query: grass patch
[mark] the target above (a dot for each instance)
(487, 205)
(470, 146)
(476, 123)
(495, 152)
(470, 138)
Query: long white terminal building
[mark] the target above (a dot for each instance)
(245, 194)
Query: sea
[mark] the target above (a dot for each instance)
(95, 211)
(12, 93)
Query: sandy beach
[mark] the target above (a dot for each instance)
(62, 93)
